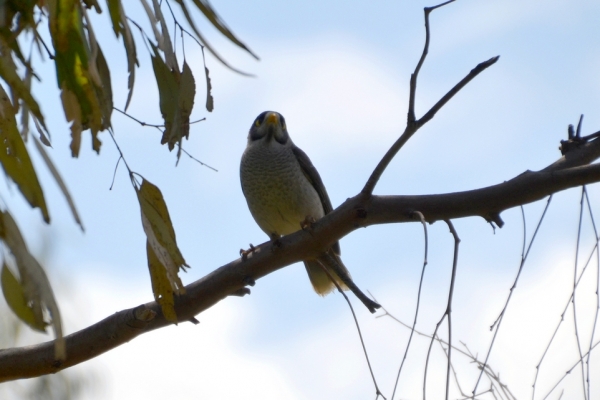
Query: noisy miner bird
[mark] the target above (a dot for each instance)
(284, 191)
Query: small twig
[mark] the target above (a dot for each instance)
(573, 297)
(122, 157)
(569, 301)
(362, 342)
(447, 313)
(142, 123)
(422, 218)
(413, 78)
(597, 287)
(570, 370)
(413, 125)
(449, 308)
(115, 172)
(562, 317)
(500, 318)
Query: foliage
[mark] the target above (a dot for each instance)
(84, 80)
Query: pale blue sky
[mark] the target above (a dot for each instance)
(338, 72)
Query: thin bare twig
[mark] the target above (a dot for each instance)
(562, 316)
(570, 370)
(450, 295)
(422, 219)
(467, 353)
(158, 127)
(498, 321)
(594, 325)
(413, 125)
(574, 296)
(413, 78)
(447, 313)
(362, 342)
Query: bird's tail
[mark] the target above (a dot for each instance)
(319, 278)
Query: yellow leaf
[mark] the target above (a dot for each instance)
(15, 158)
(161, 285)
(73, 113)
(36, 286)
(16, 300)
(161, 240)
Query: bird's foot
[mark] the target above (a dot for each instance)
(307, 223)
(244, 253)
(275, 242)
(249, 281)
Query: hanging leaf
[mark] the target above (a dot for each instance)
(73, 114)
(14, 294)
(8, 72)
(59, 181)
(168, 93)
(161, 285)
(15, 158)
(98, 69)
(34, 282)
(209, 97)
(165, 39)
(176, 92)
(114, 9)
(121, 27)
(104, 91)
(75, 71)
(218, 23)
(162, 249)
(202, 39)
(187, 93)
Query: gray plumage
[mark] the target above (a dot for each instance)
(283, 190)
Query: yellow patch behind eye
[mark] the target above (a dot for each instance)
(257, 123)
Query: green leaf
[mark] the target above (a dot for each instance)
(36, 286)
(218, 23)
(187, 91)
(15, 158)
(59, 181)
(8, 72)
(161, 237)
(72, 59)
(209, 98)
(202, 39)
(104, 90)
(161, 285)
(114, 9)
(168, 91)
(121, 27)
(17, 301)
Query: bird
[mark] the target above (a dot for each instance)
(285, 192)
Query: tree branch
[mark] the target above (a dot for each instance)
(360, 211)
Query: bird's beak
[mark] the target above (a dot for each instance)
(272, 122)
(272, 119)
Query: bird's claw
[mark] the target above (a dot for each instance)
(307, 223)
(244, 253)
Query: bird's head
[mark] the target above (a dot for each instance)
(268, 126)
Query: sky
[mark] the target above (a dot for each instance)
(339, 73)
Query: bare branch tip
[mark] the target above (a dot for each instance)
(430, 9)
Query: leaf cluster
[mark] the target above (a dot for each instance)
(86, 95)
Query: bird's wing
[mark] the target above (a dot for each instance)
(314, 178)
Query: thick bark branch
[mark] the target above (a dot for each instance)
(360, 211)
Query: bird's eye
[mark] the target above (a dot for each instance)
(257, 123)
